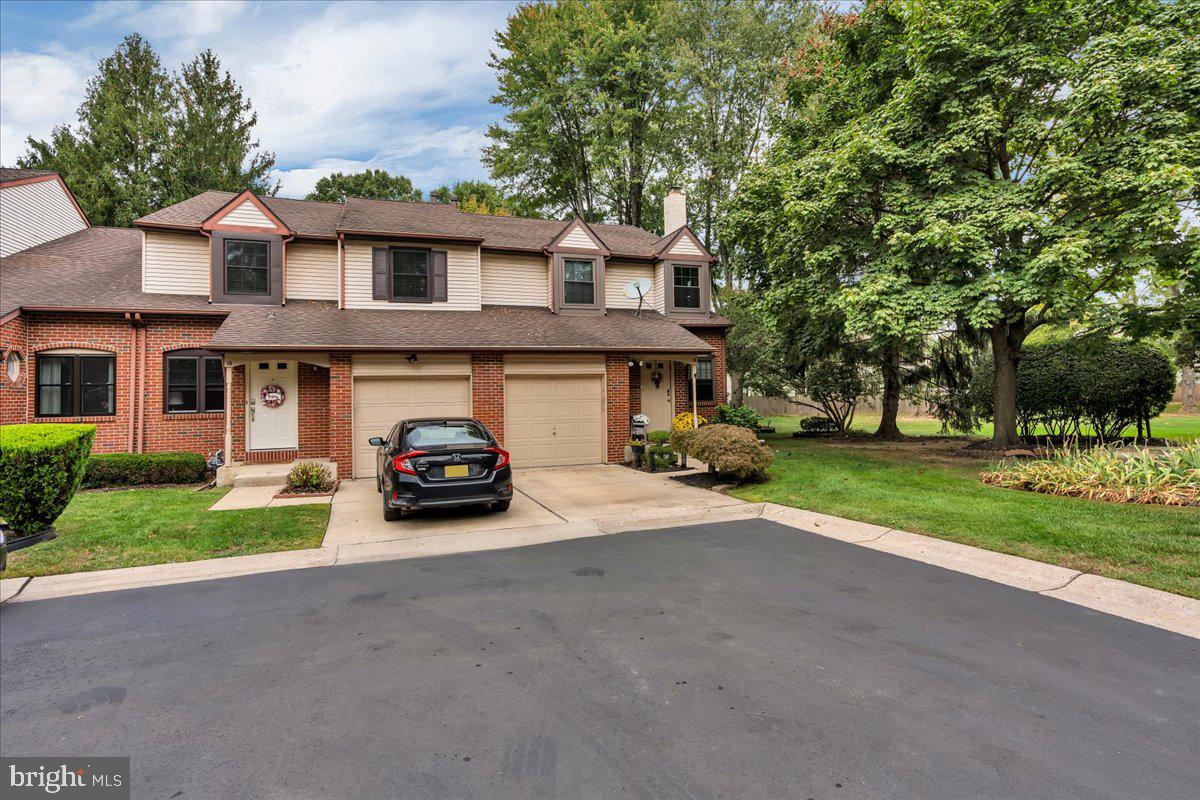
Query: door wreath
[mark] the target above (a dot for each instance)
(272, 395)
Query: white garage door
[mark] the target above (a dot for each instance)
(554, 420)
(379, 403)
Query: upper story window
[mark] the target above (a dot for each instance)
(686, 287)
(193, 381)
(410, 275)
(247, 267)
(76, 385)
(579, 281)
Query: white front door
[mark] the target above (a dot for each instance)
(658, 402)
(274, 403)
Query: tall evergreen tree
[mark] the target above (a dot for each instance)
(212, 135)
(114, 159)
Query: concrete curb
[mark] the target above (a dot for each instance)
(1138, 603)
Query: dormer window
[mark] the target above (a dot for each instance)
(579, 281)
(247, 267)
(686, 288)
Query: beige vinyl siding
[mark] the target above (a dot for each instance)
(617, 274)
(578, 238)
(530, 364)
(658, 297)
(511, 279)
(686, 247)
(462, 277)
(312, 271)
(175, 263)
(34, 213)
(247, 214)
(430, 364)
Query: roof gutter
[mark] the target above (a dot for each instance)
(401, 349)
(343, 232)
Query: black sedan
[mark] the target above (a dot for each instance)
(435, 463)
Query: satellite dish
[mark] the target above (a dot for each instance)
(637, 289)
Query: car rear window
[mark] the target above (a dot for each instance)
(457, 434)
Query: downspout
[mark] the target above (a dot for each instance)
(133, 341)
(228, 409)
(283, 270)
(141, 426)
(695, 412)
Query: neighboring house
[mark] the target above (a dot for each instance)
(280, 329)
(35, 207)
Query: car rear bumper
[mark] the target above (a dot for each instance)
(407, 492)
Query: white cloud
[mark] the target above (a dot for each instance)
(37, 92)
(339, 86)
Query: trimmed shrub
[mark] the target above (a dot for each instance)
(660, 455)
(727, 449)
(41, 466)
(1105, 384)
(141, 469)
(818, 425)
(309, 477)
(659, 437)
(741, 416)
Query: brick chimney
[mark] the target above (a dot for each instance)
(674, 210)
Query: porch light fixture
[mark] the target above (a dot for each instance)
(412, 358)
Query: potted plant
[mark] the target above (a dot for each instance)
(638, 446)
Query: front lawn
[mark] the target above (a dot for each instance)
(136, 527)
(922, 485)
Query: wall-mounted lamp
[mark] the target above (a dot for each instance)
(412, 358)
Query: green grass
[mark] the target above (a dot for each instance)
(922, 486)
(136, 527)
(1170, 425)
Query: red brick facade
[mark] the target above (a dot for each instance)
(683, 387)
(487, 392)
(141, 424)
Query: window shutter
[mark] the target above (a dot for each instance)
(379, 273)
(438, 258)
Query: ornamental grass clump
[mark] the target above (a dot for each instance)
(1120, 475)
(309, 477)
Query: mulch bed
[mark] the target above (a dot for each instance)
(285, 494)
(703, 480)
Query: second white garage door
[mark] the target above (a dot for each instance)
(554, 420)
(379, 403)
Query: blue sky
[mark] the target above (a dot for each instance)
(402, 86)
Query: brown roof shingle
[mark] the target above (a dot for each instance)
(435, 220)
(14, 174)
(97, 268)
(316, 325)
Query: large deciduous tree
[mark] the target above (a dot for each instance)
(482, 197)
(373, 184)
(145, 139)
(1033, 156)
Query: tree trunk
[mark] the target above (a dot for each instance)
(736, 392)
(1187, 382)
(888, 429)
(1006, 355)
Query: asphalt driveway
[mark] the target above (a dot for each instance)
(740, 660)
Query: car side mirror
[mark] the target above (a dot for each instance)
(375, 441)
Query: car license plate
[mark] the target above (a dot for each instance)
(458, 471)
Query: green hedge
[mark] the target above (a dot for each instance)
(1105, 384)
(139, 469)
(40, 468)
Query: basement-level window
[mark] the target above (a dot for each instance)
(76, 385)
(193, 381)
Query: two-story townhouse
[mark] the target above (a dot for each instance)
(279, 329)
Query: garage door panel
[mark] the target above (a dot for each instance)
(379, 403)
(554, 420)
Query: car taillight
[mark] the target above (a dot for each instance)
(501, 456)
(401, 462)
